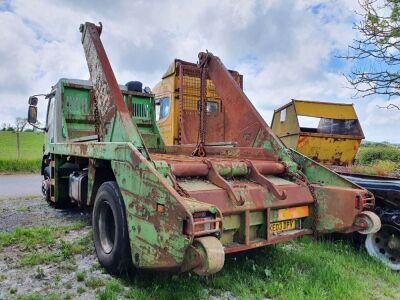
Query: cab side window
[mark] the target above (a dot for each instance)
(50, 118)
(212, 107)
(163, 105)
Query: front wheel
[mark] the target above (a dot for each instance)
(110, 230)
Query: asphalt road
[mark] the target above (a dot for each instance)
(21, 185)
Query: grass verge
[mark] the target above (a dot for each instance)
(12, 165)
(299, 269)
(30, 152)
(31, 237)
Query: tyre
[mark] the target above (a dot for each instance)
(110, 230)
(385, 246)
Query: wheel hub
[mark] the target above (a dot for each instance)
(106, 227)
(394, 243)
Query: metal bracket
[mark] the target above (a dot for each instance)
(256, 176)
(218, 180)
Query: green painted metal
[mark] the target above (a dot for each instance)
(79, 119)
(143, 111)
(77, 115)
(319, 174)
(151, 233)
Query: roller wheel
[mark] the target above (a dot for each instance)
(373, 221)
(212, 252)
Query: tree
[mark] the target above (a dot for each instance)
(376, 52)
(20, 124)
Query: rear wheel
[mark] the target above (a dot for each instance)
(385, 246)
(110, 230)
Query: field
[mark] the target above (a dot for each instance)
(49, 254)
(31, 146)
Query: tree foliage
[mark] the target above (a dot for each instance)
(376, 50)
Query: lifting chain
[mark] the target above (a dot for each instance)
(181, 191)
(200, 148)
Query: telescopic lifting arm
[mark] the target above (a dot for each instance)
(113, 117)
(244, 124)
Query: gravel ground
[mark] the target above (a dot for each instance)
(33, 211)
(77, 277)
(58, 279)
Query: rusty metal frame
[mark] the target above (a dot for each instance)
(214, 177)
(256, 176)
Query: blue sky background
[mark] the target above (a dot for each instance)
(284, 49)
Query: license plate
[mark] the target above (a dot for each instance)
(292, 213)
(282, 226)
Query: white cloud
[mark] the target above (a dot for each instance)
(284, 49)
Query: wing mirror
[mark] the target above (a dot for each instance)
(32, 114)
(32, 110)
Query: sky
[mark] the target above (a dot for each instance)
(284, 49)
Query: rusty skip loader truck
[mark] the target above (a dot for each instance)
(182, 207)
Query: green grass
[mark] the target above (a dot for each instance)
(295, 270)
(13, 165)
(301, 269)
(31, 237)
(80, 276)
(80, 290)
(39, 257)
(369, 155)
(40, 244)
(31, 147)
(93, 282)
(111, 291)
(63, 253)
(381, 160)
(379, 167)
